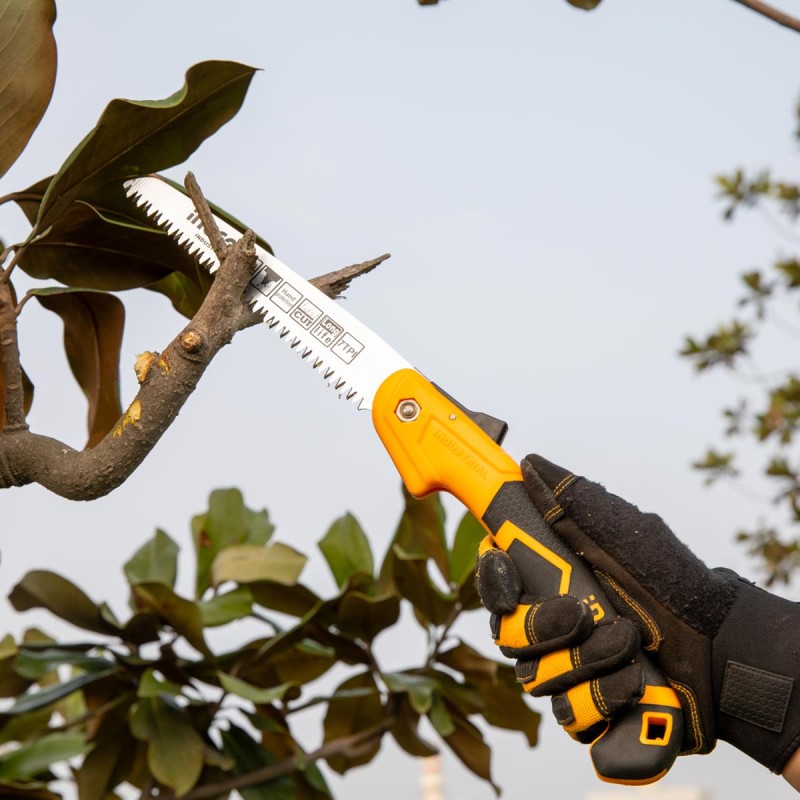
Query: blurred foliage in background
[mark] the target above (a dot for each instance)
(146, 701)
(768, 410)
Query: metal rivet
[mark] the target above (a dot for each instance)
(407, 410)
(452, 416)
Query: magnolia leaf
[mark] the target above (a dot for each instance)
(351, 715)
(107, 242)
(300, 664)
(35, 664)
(297, 600)
(151, 685)
(93, 325)
(227, 522)
(156, 561)
(45, 589)
(46, 697)
(466, 741)
(249, 563)
(185, 294)
(140, 137)
(465, 549)
(420, 533)
(112, 758)
(27, 72)
(181, 614)
(419, 688)
(249, 756)
(364, 617)
(346, 549)
(84, 248)
(431, 605)
(227, 607)
(175, 750)
(440, 717)
(405, 732)
(254, 694)
(33, 759)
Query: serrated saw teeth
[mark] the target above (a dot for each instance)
(344, 351)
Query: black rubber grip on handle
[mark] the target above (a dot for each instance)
(641, 744)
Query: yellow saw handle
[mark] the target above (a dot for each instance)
(437, 447)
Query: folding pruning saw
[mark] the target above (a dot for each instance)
(436, 445)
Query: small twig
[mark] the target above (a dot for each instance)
(771, 13)
(440, 639)
(5, 273)
(4, 255)
(274, 771)
(334, 283)
(21, 304)
(218, 243)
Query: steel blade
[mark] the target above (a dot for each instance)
(346, 353)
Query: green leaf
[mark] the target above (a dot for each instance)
(46, 697)
(352, 715)
(27, 72)
(227, 607)
(466, 741)
(185, 294)
(153, 685)
(440, 717)
(297, 600)
(431, 605)
(35, 664)
(254, 694)
(250, 756)
(155, 561)
(419, 688)
(25, 727)
(45, 589)
(585, 5)
(137, 138)
(182, 615)
(111, 760)
(406, 734)
(364, 617)
(346, 549)
(93, 325)
(175, 750)
(465, 549)
(33, 759)
(227, 522)
(420, 533)
(249, 563)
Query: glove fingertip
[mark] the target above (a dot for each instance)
(498, 582)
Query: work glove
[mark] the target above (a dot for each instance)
(730, 650)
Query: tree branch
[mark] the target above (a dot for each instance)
(10, 364)
(166, 379)
(771, 13)
(274, 771)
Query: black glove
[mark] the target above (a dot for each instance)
(730, 650)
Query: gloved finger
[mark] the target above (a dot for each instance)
(535, 628)
(497, 580)
(584, 706)
(610, 646)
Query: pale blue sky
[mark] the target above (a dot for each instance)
(543, 180)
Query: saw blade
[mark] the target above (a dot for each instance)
(346, 353)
